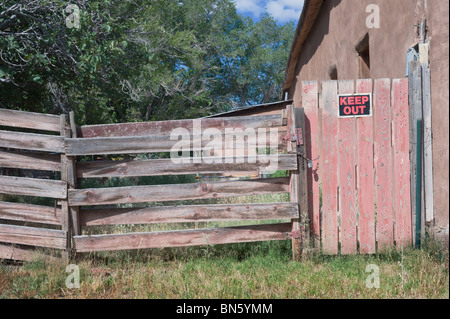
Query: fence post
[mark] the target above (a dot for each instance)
(65, 214)
(298, 180)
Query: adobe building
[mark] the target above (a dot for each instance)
(351, 39)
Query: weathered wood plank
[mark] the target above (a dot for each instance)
(383, 163)
(310, 104)
(402, 187)
(30, 213)
(33, 187)
(415, 113)
(428, 147)
(141, 194)
(179, 238)
(167, 143)
(26, 160)
(166, 127)
(365, 177)
(39, 121)
(128, 168)
(188, 213)
(9, 252)
(330, 168)
(30, 141)
(41, 237)
(347, 178)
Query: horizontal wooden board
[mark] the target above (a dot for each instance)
(30, 141)
(33, 187)
(160, 193)
(178, 238)
(30, 213)
(166, 127)
(39, 121)
(191, 166)
(40, 237)
(27, 160)
(10, 252)
(164, 143)
(188, 213)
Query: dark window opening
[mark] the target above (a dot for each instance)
(333, 73)
(364, 57)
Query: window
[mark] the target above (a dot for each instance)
(364, 57)
(333, 73)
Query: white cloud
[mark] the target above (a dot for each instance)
(256, 8)
(285, 10)
(281, 10)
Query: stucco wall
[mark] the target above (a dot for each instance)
(340, 26)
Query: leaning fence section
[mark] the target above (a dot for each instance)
(33, 197)
(242, 145)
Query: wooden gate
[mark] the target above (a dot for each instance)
(359, 174)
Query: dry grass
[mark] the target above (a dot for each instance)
(257, 270)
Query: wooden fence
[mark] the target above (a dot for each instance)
(21, 224)
(83, 208)
(348, 181)
(360, 167)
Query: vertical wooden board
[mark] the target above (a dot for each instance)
(330, 168)
(402, 197)
(415, 113)
(428, 145)
(310, 104)
(294, 183)
(383, 163)
(347, 178)
(365, 176)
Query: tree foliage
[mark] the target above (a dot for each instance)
(137, 60)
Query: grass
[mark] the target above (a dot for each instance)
(252, 270)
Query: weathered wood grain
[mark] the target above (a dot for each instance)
(30, 213)
(310, 103)
(347, 178)
(10, 252)
(192, 166)
(330, 168)
(365, 177)
(33, 187)
(28, 160)
(415, 113)
(166, 127)
(30, 141)
(428, 147)
(402, 196)
(46, 122)
(40, 237)
(383, 163)
(188, 213)
(166, 143)
(179, 238)
(160, 193)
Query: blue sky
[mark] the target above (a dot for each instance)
(282, 10)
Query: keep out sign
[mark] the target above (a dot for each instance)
(355, 105)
